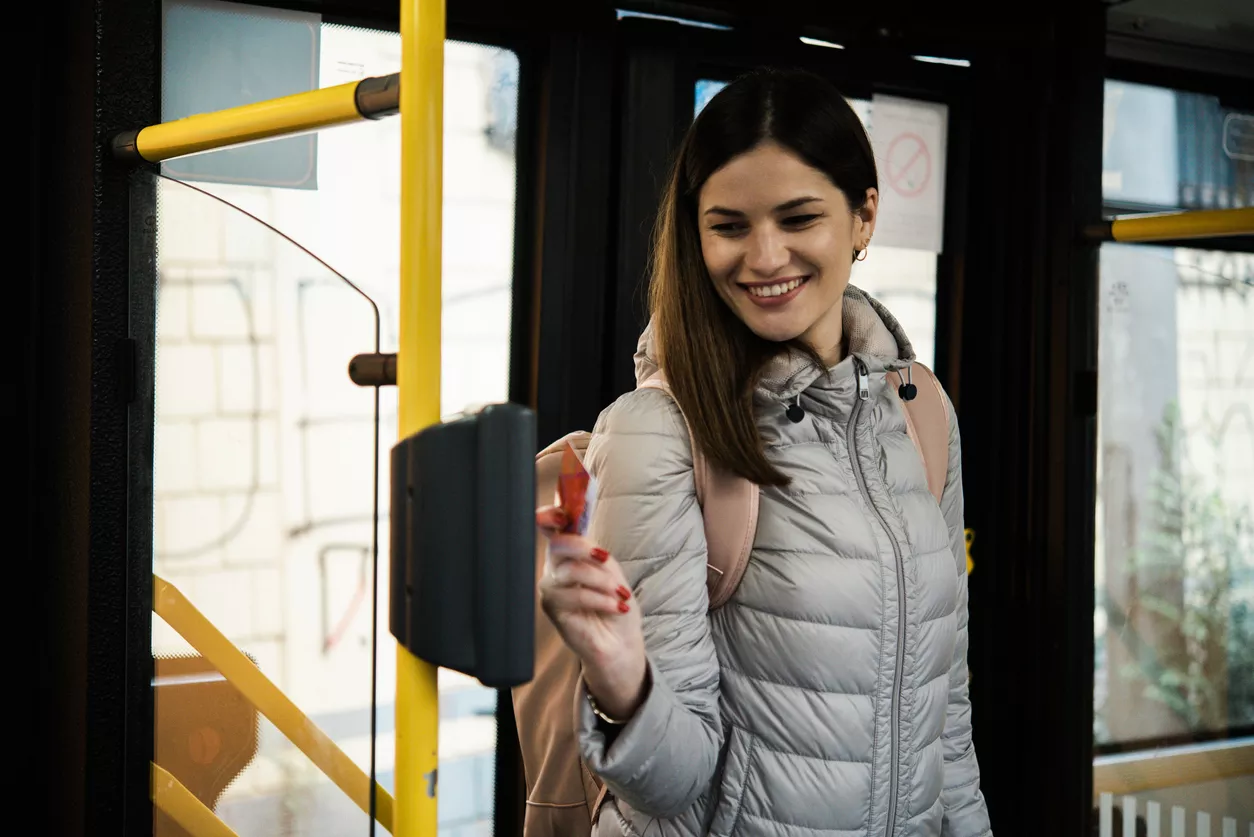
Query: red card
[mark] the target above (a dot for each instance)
(576, 492)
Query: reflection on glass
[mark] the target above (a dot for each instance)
(1174, 624)
(318, 443)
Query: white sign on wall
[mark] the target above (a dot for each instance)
(909, 141)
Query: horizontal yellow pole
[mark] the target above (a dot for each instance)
(1200, 223)
(1171, 767)
(181, 615)
(182, 806)
(286, 116)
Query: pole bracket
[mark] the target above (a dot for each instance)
(373, 370)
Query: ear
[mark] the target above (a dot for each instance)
(865, 215)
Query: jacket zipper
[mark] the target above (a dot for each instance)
(864, 395)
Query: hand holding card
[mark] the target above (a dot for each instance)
(587, 597)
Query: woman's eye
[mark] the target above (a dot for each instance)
(726, 228)
(799, 220)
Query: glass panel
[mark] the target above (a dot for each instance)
(901, 278)
(349, 211)
(1168, 148)
(1174, 624)
(218, 55)
(905, 281)
(263, 514)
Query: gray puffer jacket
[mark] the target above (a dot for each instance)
(829, 695)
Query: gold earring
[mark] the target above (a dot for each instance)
(861, 257)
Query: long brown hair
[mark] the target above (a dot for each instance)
(713, 360)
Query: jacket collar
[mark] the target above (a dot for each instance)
(871, 333)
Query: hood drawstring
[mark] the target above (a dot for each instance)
(795, 411)
(908, 390)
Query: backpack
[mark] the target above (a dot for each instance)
(563, 796)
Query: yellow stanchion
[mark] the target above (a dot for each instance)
(173, 607)
(418, 370)
(182, 806)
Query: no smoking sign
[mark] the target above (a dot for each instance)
(908, 165)
(908, 137)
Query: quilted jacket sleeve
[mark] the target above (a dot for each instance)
(966, 814)
(647, 516)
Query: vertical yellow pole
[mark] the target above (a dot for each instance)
(418, 370)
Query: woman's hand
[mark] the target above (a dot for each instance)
(584, 593)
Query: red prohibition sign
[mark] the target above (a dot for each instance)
(911, 177)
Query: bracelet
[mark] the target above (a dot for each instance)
(596, 710)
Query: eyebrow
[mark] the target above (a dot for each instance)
(783, 207)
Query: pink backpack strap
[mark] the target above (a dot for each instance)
(927, 423)
(729, 505)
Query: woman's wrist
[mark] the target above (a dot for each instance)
(618, 691)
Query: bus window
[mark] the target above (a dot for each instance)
(251, 325)
(1174, 618)
(263, 467)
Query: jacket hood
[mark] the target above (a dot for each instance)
(870, 331)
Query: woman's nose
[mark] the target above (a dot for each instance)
(767, 252)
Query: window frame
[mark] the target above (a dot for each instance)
(1184, 69)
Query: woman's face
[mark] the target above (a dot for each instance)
(778, 240)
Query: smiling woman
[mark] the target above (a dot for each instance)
(764, 249)
(774, 194)
(792, 379)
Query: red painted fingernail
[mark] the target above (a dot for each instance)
(600, 554)
(623, 607)
(623, 593)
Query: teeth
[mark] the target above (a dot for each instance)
(774, 290)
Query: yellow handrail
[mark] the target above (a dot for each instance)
(182, 806)
(181, 615)
(1174, 766)
(1195, 223)
(418, 370)
(285, 116)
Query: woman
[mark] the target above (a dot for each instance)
(829, 695)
